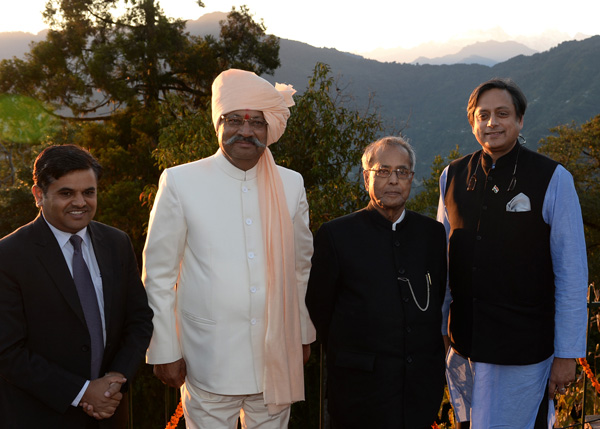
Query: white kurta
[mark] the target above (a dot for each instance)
(204, 272)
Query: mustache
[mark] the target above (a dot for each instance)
(250, 139)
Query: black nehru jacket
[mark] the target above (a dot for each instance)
(385, 356)
(500, 268)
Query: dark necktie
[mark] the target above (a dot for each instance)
(89, 303)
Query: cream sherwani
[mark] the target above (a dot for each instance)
(204, 272)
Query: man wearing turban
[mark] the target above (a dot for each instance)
(226, 263)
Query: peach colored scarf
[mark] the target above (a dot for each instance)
(283, 373)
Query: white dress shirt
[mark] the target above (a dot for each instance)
(89, 257)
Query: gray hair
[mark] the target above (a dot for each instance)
(389, 141)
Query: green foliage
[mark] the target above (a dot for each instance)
(94, 61)
(324, 141)
(128, 79)
(98, 59)
(24, 124)
(186, 134)
(17, 207)
(426, 201)
(24, 120)
(245, 46)
(578, 150)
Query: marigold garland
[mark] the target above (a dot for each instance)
(435, 426)
(176, 416)
(588, 371)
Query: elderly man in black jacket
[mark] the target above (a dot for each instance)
(375, 293)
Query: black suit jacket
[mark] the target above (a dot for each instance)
(44, 341)
(385, 356)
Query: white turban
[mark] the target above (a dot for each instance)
(243, 90)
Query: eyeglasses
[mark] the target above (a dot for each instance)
(401, 173)
(237, 122)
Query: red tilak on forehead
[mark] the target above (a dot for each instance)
(247, 116)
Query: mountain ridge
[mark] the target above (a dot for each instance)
(428, 102)
(561, 84)
(478, 52)
(464, 48)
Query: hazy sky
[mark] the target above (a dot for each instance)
(360, 26)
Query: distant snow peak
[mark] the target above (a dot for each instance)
(469, 48)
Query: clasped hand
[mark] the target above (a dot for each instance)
(103, 396)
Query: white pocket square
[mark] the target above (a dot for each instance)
(520, 203)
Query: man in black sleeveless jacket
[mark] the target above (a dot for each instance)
(517, 270)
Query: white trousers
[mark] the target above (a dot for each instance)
(205, 410)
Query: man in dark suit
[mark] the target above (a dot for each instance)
(72, 330)
(375, 293)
